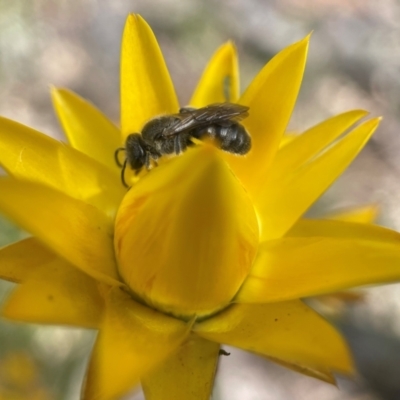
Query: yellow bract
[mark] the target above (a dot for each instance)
(87, 129)
(310, 143)
(52, 287)
(30, 155)
(195, 363)
(290, 331)
(281, 202)
(20, 259)
(206, 248)
(76, 231)
(366, 214)
(307, 266)
(146, 87)
(220, 80)
(133, 340)
(271, 98)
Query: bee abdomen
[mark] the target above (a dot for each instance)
(236, 140)
(232, 138)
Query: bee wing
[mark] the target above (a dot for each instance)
(202, 117)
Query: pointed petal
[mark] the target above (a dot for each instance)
(342, 230)
(193, 365)
(323, 374)
(146, 87)
(88, 130)
(309, 144)
(31, 155)
(220, 80)
(133, 340)
(271, 98)
(287, 138)
(301, 267)
(18, 260)
(289, 331)
(276, 206)
(75, 230)
(188, 249)
(56, 293)
(364, 214)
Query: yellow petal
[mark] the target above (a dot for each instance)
(29, 154)
(186, 234)
(220, 80)
(323, 374)
(146, 87)
(56, 293)
(271, 98)
(18, 260)
(292, 268)
(75, 230)
(364, 214)
(87, 129)
(282, 202)
(289, 331)
(342, 230)
(287, 138)
(186, 375)
(307, 145)
(133, 340)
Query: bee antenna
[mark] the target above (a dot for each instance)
(116, 153)
(123, 174)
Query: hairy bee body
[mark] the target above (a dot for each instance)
(231, 136)
(173, 134)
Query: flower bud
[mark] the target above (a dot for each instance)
(186, 235)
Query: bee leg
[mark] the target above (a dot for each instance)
(116, 153)
(178, 145)
(223, 352)
(147, 161)
(123, 174)
(153, 157)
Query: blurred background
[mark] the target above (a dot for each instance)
(354, 62)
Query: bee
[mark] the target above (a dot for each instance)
(173, 134)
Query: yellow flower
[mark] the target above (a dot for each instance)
(206, 248)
